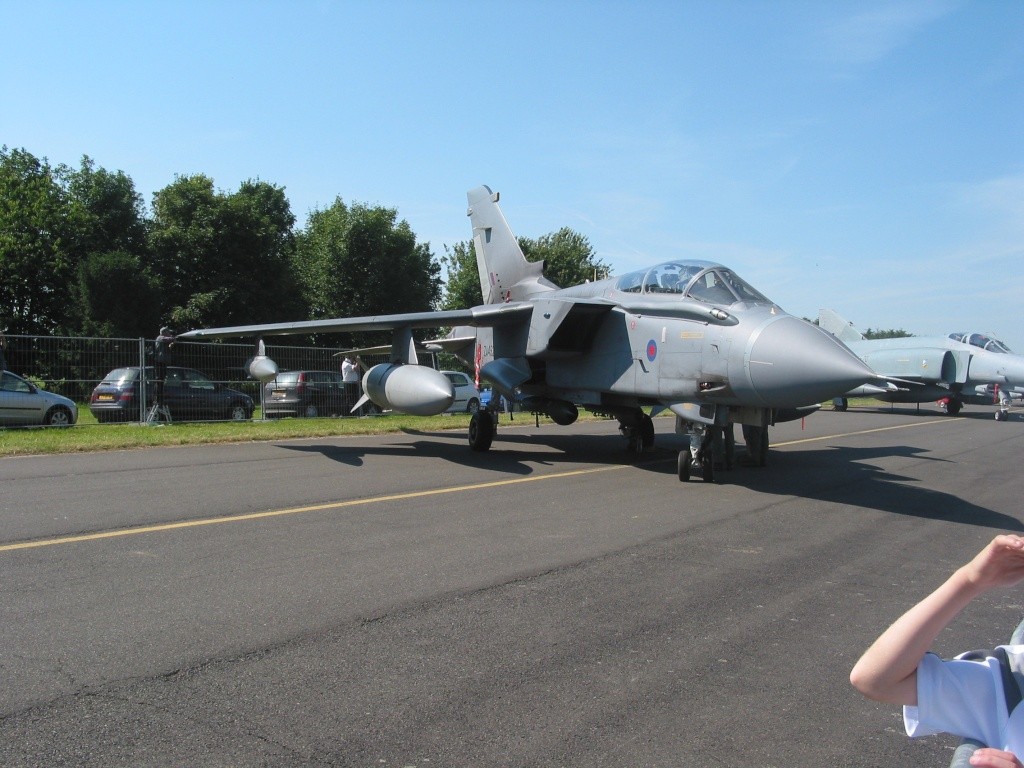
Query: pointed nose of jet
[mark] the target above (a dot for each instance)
(998, 367)
(791, 363)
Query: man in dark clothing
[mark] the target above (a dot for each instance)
(162, 357)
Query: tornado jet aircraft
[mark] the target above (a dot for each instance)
(951, 370)
(688, 336)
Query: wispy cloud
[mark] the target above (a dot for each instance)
(870, 36)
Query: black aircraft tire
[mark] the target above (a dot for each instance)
(762, 448)
(481, 431)
(646, 433)
(683, 466)
(953, 407)
(730, 447)
(707, 467)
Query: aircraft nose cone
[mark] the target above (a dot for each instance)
(792, 363)
(997, 367)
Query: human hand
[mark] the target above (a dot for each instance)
(994, 758)
(999, 564)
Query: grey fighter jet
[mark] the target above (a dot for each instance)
(951, 370)
(688, 336)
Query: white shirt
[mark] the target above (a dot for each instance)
(965, 698)
(349, 372)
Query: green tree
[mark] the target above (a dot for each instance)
(183, 239)
(462, 289)
(115, 292)
(224, 259)
(359, 260)
(105, 211)
(891, 333)
(35, 269)
(117, 295)
(257, 245)
(568, 258)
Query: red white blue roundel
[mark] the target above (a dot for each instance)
(652, 350)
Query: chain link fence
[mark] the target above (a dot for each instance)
(74, 366)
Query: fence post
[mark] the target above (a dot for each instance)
(142, 380)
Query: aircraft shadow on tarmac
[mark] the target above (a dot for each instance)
(836, 475)
(513, 453)
(842, 475)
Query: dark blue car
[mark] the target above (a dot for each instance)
(188, 394)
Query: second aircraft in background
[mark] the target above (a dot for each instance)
(951, 370)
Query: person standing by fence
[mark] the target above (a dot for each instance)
(162, 357)
(352, 369)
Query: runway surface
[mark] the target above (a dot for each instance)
(403, 601)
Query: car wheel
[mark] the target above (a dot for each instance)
(473, 405)
(310, 411)
(238, 413)
(59, 417)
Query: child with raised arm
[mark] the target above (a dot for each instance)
(965, 698)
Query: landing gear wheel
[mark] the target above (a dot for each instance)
(707, 469)
(683, 465)
(481, 430)
(730, 447)
(635, 447)
(953, 407)
(646, 433)
(762, 448)
(840, 404)
(756, 439)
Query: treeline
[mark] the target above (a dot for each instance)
(890, 333)
(82, 254)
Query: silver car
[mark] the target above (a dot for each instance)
(467, 396)
(22, 403)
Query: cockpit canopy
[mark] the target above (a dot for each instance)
(981, 341)
(702, 280)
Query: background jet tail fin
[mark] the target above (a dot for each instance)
(837, 326)
(505, 274)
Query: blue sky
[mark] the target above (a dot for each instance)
(862, 156)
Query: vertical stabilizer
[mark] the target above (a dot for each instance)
(832, 322)
(505, 274)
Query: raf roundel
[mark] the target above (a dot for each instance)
(652, 350)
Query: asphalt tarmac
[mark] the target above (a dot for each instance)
(403, 601)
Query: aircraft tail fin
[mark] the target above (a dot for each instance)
(833, 323)
(505, 274)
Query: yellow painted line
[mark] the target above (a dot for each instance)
(944, 419)
(59, 540)
(295, 510)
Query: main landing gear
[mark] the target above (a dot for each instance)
(639, 434)
(950, 405)
(756, 439)
(482, 426)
